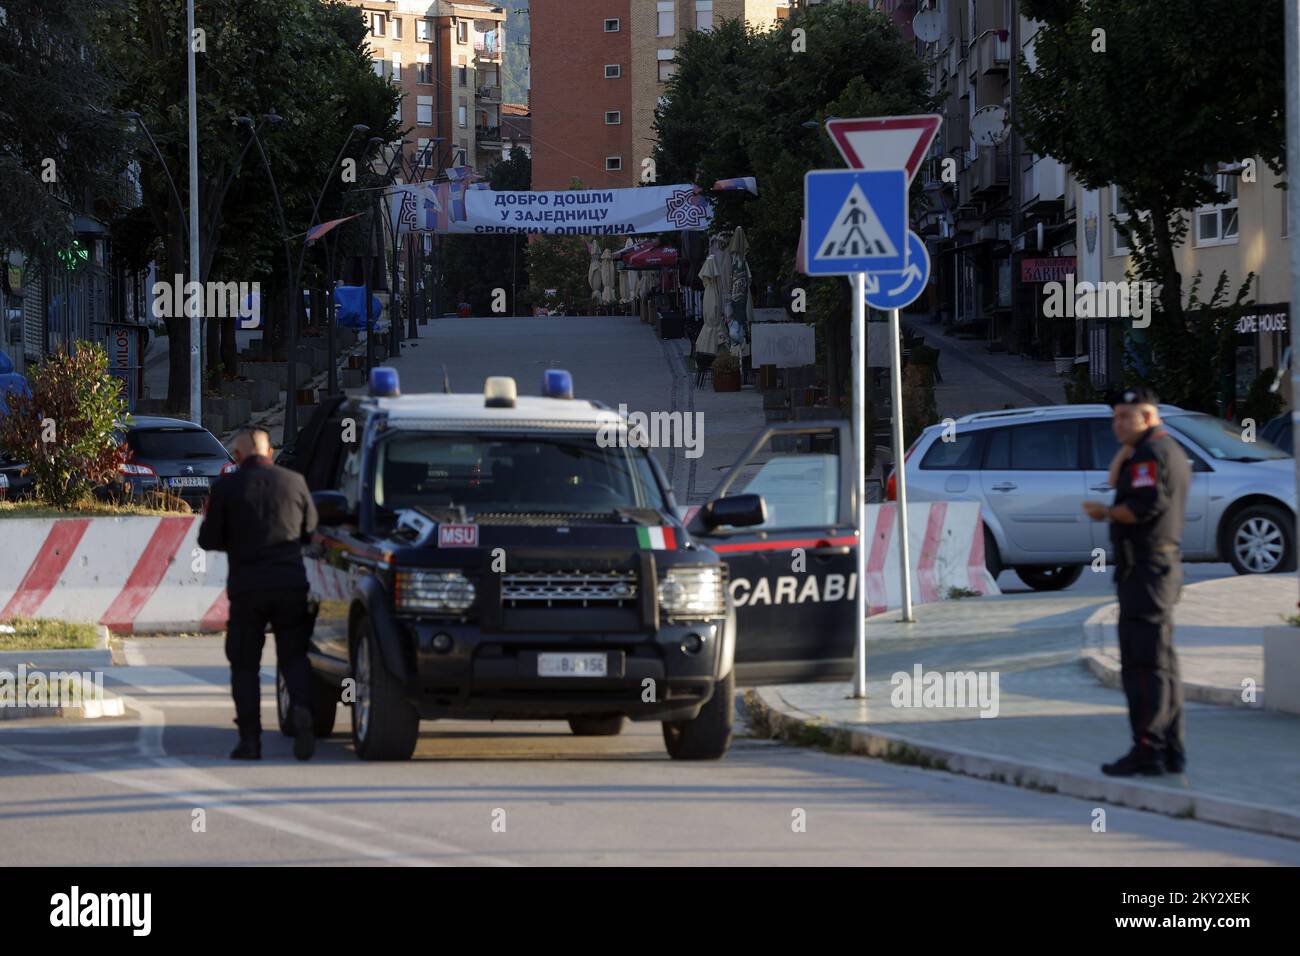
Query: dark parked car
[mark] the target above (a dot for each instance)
(169, 454)
(1277, 432)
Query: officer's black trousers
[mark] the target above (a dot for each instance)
(286, 611)
(1148, 590)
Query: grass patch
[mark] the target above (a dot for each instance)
(162, 503)
(42, 635)
(334, 610)
(956, 593)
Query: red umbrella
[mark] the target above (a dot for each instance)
(654, 257)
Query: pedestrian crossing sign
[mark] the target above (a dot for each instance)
(857, 221)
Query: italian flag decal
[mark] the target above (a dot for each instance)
(657, 539)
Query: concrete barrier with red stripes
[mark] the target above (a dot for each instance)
(134, 573)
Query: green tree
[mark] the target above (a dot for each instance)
(64, 428)
(306, 60)
(1151, 95)
(59, 145)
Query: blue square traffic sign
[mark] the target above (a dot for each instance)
(857, 221)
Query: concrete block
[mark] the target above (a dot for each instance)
(352, 378)
(277, 372)
(214, 421)
(1282, 669)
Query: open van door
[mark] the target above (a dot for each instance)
(792, 576)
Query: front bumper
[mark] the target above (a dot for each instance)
(495, 674)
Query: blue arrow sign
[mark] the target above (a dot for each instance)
(857, 221)
(893, 290)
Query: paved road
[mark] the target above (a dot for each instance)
(127, 791)
(1103, 582)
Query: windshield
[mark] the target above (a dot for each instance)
(513, 474)
(174, 443)
(1222, 440)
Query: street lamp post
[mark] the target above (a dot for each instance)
(395, 319)
(194, 303)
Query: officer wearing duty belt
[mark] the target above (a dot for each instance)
(1150, 475)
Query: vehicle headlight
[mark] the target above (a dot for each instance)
(693, 592)
(433, 591)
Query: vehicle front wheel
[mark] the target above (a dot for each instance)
(1050, 578)
(1261, 540)
(385, 725)
(596, 726)
(708, 736)
(992, 559)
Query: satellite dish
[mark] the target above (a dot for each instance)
(988, 127)
(928, 25)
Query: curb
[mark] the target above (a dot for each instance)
(81, 659)
(772, 716)
(1100, 631)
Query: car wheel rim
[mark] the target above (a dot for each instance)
(1258, 545)
(281, 694)
(363, 688)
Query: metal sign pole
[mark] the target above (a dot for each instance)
(900, 479)
(859, 498)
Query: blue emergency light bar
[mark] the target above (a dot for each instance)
(384, 383)
(557, 383)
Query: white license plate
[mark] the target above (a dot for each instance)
(188, 482)
(571, 665)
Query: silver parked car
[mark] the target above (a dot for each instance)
(1031, 467)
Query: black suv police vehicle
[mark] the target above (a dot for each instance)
(516, 557)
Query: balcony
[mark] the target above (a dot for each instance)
(488, 93)
(487, 49)
(1042, 184)
(990, 53)
(488, 137)
(991, 170)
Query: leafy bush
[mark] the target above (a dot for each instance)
(919, 407)
(64, 429)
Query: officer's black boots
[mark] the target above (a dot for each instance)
(1175, 762)
(250, 743)
(304, 735)
(1137, 762)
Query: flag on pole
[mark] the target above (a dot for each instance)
(747, 183)
(315, 232)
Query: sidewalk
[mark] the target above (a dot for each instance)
(1217, 634)
(977, 380)
(1055, 724)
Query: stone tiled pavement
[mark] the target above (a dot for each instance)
(1053, 713)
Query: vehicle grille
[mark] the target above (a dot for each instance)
(569, 589)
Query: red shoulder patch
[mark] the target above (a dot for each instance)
(1143, 475)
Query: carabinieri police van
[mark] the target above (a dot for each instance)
(500, 558)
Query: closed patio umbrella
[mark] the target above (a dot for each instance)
(608, 281)
(707, 341)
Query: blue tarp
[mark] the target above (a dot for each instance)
(350, 311)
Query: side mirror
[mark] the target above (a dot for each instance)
(332, 507)
(736, 511)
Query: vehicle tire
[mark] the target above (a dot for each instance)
(1261, 540)
(610, 726)
(1051, 577)
(385, 725)
(992, 559)
(708, 736)
(323, 703)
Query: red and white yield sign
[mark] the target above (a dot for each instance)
(885, 142)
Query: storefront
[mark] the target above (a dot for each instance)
(1262, 338)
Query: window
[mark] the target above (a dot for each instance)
(462, 31)
(613, 164)
(613, 71)
(377, 22)
(397, 68)
(798, 477)
(613, 117)
(424, 110)
(1217, 224)
(378, 65)
(424, 30)
(666, 25)
(1119, 207)
(704, 14)
(960, 453)
(460, 114)
(397, 111)
(463, 75)
(424, 154)
(666, 65)
(397, 28)
(1051, 446)
(424, 69)
(612, 25)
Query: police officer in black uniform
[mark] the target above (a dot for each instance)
(1151, 476)
(260, 515)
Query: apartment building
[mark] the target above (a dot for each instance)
(446, 58)
(599, 68)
